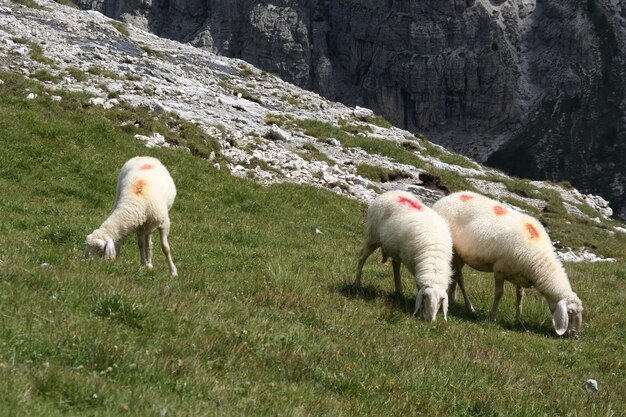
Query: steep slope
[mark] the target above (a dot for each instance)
(578, 131)
(545, 78)
(264, 319)
(263, 128)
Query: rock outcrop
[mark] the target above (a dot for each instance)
(266, 129)
(544, 79)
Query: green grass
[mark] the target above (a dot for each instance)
(67, 3)
(245, 71)
(77, 73)
(29, 3)
(103, 72)
(245, 93)
(36, 52)
(347, 135)
(311, 153)
(43, 75)
(380, 174)
(263, 319)
(120, 27)
(294, 99)
(150, 51)
(323, 131)
(379, 121)
(448, 157)
(278, 119)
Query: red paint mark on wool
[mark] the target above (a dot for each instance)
(146, 166)
(414, 204)
(139, 185)
(464, 197)
(499, 210)
(534, 234)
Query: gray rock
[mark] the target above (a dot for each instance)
(276, 133)
(573, 210)
(473, 75)
(197, 86)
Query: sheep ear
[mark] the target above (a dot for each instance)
(444, 305)
(418, 302)
(109, 249)
(560, 320)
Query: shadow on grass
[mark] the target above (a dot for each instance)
(400, 302)
(455, 308)
(525, 327)
(370, 293)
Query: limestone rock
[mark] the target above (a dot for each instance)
(539, 83)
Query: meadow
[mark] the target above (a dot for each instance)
(263, 319)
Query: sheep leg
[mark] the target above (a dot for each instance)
(366, 251)
(457, 264)
(519, 292)
(148, 248)
(457, 278)
(141, 241)
(396, 275)
(452, 288)
(468, 304)
(497, 296)
(164, 230)
(140, 244)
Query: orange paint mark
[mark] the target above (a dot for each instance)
(139, 185)
(534, 234)
(464, 197)
(499, 210)
(146, 166)
(411, 203)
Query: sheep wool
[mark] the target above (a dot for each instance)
(492, 237)
(412, 234)
(145, 194)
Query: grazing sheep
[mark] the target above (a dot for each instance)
(414, 235)
(491, 237)
(145, 194)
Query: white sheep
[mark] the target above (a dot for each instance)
(492, 237)
(145, 194)
(412, 234)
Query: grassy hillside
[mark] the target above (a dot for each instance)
(263, 319)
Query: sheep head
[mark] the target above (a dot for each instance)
(97, 245)
(429, 300)
(567, 316)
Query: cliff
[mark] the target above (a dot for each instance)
(535, 88)
(257, 126)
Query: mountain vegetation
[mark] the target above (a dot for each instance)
(263, 318)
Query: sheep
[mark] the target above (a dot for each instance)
(412, 234)
(492, 237)
(145, 193)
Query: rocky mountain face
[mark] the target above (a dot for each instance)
(534, 87)
(266, 129)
